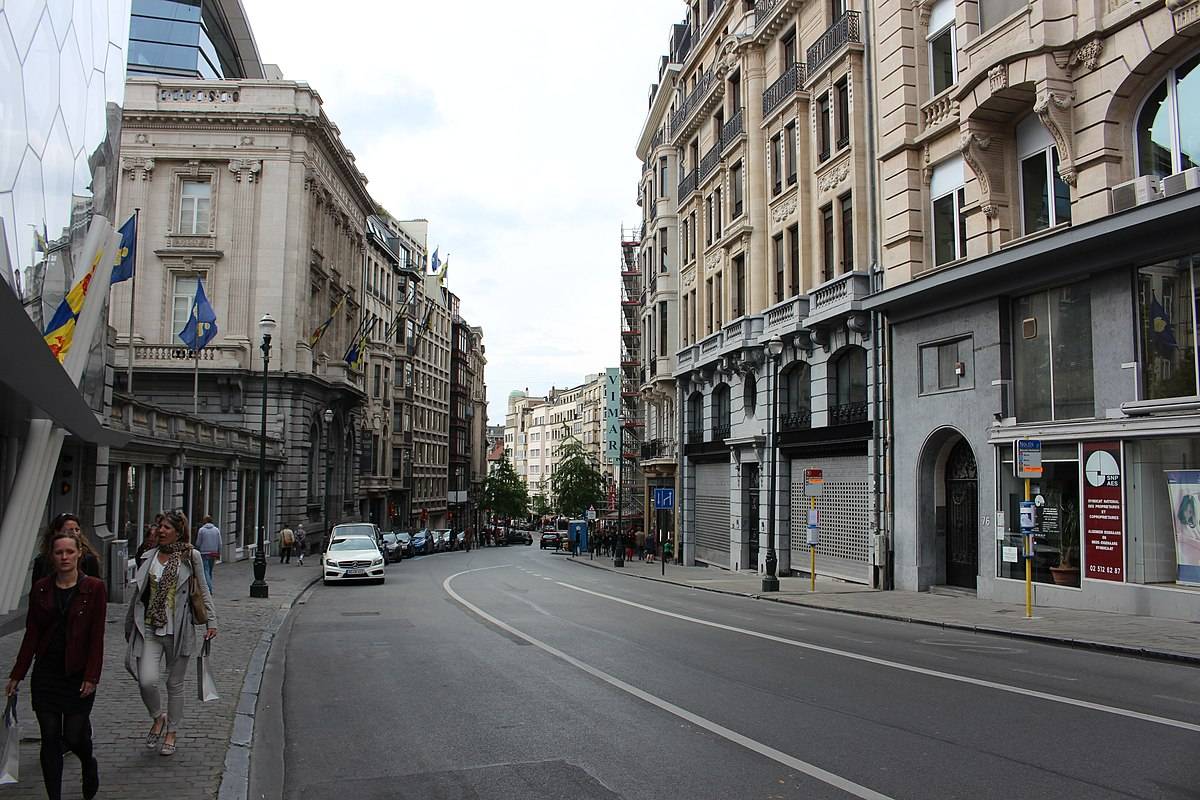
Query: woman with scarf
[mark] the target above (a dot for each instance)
(159, 625)
(64, 640)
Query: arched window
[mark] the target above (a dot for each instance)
(749, 396)
(720, 412)
(1168, 127)
(695, 417)
(848, 392)
(794, 398)
(314, 462)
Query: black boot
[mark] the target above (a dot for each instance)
(91, 778)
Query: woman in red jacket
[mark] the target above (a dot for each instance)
(64, 639)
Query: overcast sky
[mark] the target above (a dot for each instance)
(511, 127)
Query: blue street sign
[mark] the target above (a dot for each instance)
(664, 499)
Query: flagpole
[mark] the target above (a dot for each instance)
(196, 385)
(132, 302)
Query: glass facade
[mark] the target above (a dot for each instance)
(183, 38)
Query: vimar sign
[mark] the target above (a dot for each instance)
(1103, 513)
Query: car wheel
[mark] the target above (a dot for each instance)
(325, 581)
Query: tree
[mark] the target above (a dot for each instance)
(504, 493)
(577, 482)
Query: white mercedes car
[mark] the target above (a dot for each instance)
(352, 558)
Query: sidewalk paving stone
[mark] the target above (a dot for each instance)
(1176, 640)
(128, 771)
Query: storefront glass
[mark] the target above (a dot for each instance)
(1166, 296)
(1056, 496)
(1164, 510)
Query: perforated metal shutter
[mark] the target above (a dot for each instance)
(712, 513)
(843, 508)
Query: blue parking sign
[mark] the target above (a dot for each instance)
(664, 499)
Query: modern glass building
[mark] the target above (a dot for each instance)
(206, 39)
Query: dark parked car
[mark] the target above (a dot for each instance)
(393, 548)
(421, 543)
(549, 540)
(442, 541)
(517, 536)
(405, 543)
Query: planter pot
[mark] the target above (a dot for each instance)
(1065, 576)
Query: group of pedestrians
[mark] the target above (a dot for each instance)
(637, 544)
(290, 540)
(64, 636)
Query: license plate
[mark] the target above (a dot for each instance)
(353, 572)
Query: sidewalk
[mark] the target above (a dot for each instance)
(1174, 640)
(128, 771)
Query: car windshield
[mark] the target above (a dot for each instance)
(362, 529)
(352, 543)
(404, 537)
(390, 538)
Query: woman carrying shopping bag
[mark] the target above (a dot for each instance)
(64, 640)
(170, 596)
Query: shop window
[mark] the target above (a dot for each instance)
(1166, 297)
(1052, 354)
(1168, 127)
(946, 366)
(1056, 549)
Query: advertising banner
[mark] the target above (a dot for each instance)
(1183, 487)
(1103, 534)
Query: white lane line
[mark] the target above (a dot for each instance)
(767, 751)
(933, 673)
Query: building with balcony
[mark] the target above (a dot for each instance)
(410, 246)
(468, 398)
(769, 122)
(437, 306)
(1038, 242)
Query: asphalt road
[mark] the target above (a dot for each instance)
(512, 673)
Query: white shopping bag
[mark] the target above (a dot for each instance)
(10, 745)
(206, 687)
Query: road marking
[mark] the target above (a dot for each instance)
(852, 639)
(1178, 699)
(1044, 674)
(882, 662)
(779, 756)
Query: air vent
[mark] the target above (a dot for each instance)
(1181, 182)
(1135, 192)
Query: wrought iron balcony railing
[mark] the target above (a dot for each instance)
(693, 101)
(785, 86)
(796, 420)
(845, 30)
(721, 432)
(695, 436)
(708, 163)
(762, 11)
(847, 413)
(688, 185)
(732, 129)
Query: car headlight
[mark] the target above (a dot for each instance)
(377, 562)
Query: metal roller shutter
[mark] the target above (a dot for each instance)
(843, 508)
(712, 513)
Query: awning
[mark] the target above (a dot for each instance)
(39, 386)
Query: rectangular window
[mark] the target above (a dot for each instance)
(823, 136)
(708, 219)
(946, 366)
(183, 295)
(846, 207)
(718, 212)
(1045, 197)
(719, 302)
(841, 91)
(692, 236)
(662, 176)
(828, 263)
(683, 236)
(794, 257)
(735, 93)
(949, 227)
(735, 185)
(195, 207)
(1167, 299)
(1052, 354)
(777, 255)
(787, 49)
(708, 316)
(943, 72)
(777, 163)
(789, 143)
(663, 265)
(739, 286)
(995, 11)
(662, 328)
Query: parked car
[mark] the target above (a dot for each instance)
(352, 558)
(443, 539)
(460, 540)
(518, 536)
(421, 543)
(357, 529)
(393, 548)
(549, 540)
(405, 543)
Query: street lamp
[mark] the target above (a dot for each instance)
(619, 550)
(258, 588)
(327, 415)
(770, 583)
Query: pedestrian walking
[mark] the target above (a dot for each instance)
(64, 640)
(628, 537)
(651, 548)
(208, 542)
(300, 547)
(639, 539)
(287, 538)
(159, 624)
(43, 563)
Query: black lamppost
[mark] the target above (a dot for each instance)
(326, 415)
(770, 583)
(619, 550)
(258, 588)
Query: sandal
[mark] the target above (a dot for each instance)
(167, 749)
(152, 737)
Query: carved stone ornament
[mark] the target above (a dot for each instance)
(245, 169)
(976, 154)
(141, 138)
(1054, 110)
(1184, 13)
(713, 262)
(927, 168)
(998, 77)
(688, 278)
(1087, 56)
(834, 176)
(246, 141)
(923, 9)
(784, 210)
(139, 168)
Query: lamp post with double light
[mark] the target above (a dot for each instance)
(770, 582)
(258, 588)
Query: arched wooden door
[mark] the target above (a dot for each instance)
(962, 505)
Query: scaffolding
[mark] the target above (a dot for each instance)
(633, 375)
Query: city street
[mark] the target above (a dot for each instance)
(513, 673)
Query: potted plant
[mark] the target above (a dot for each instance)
(1067, 571)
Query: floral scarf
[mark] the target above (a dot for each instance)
(156, 612)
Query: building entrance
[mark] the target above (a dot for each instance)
(750, 482)
(962, 532)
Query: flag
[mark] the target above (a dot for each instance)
(324, 326)
(391, 329)
(1160, 327)
(357, 351)
(61, 328)
(201, 326)
(442, 274)
(126, 259)
(40, 242)
(434, 263)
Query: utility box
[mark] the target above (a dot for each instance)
(577, 535)
(117, 569)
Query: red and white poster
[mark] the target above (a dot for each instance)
(1103, 512)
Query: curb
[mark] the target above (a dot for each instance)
(235, 782)
(1041, 638)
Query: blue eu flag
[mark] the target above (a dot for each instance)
(1161, 330)
(201, 326)
(127, 252)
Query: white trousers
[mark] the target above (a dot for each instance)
(154, 650)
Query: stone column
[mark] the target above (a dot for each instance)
(758, 270)
(137, 173)
(241, 273)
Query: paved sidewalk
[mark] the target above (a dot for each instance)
(1146, 636)
(128, 771)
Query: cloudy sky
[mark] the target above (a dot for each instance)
(511, 127)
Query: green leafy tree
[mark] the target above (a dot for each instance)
(577, 482)
(504, 493)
